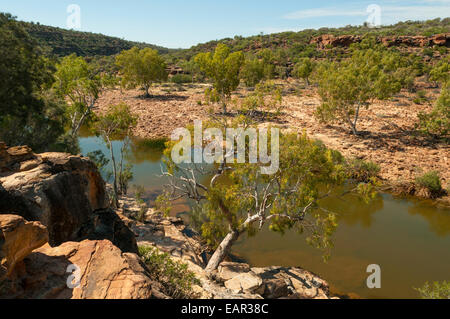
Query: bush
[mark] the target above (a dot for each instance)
(439, 290)
(430, 181)
(181, 79)
(363, 171)
(175, 277)
(437, 122)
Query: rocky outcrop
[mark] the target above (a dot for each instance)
(65, 193)
(232, 280)
(18, 238)
(104, 273)
(273, 282)
(328, 40)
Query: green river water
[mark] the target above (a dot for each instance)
(408, 238)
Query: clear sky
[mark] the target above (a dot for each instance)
(183, 23)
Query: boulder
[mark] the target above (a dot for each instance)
(18, 238)
(65, 193)
(291, 282)
(105, 272)
(441, 39)
(229, 270)
(247, 282)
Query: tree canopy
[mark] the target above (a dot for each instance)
(29, 113)
(141, 67)
(76, 82)
(223, 68)
(348, 86)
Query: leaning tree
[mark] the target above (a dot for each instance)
(232, 199)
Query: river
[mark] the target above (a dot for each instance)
(408, 238)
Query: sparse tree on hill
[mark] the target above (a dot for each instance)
(441, 72)
(141, 68)
(303, 69)
(223, 68)
(347, 87)
(252, 72)
(437, 123)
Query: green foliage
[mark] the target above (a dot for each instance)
(304, 68)
(77, 83)
(211, 96)
(265, 100)
(437, 123)
(99, 159)
(430, 181)
(350, 85)
(438, 290)
(29, 113)
(117, 124)
(297, 44)
(62, 42)
(363, 171)
(139, 193)
(174, 276)
(181, 78)
(223, 68)
(441, 71)
(253, 71)
(141, 68)
(244, 200)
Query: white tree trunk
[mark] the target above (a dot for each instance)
(222, 251)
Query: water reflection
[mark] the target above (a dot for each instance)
(408, 238)
(438, 218)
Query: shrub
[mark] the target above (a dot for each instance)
(175, 277)
(430, 181)
(439, 290)
(363, 171)
(140, 190)
(437, 122)
(181, 79)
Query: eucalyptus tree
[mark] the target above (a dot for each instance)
(348, 86)
(116, 124)
(80, 86)
(223, 68)
(239, 198)
(141, 67)
(304, 68)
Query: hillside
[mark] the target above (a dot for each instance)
(294, 43)
(62, 42)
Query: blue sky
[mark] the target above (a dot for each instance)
(183, 23)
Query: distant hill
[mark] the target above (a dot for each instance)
(296, 42)
(62, 42)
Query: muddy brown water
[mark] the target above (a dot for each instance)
(408, 238)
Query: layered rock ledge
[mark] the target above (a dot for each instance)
(60, 240)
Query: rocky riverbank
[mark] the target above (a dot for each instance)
(232, 279)
(55, 222)
(388, 137)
